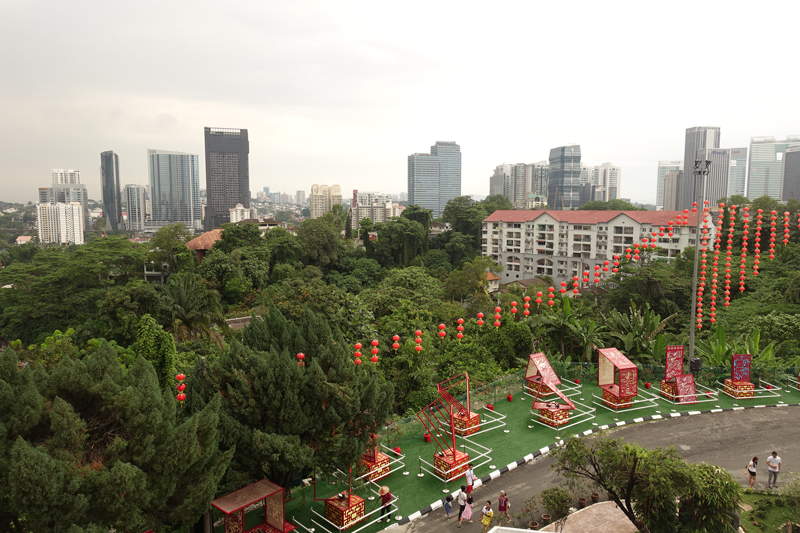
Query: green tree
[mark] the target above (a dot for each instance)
(424, 217)
(398, 242)
(239, 236)
(612, 205)
(496, 202)
(320, 242)
(282, 245)
(169, 247)
(108, 450)
(465, 216)
(124, 306)
(156, 346)
(190, 308)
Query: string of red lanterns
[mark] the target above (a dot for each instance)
(480, 319)
(442, 333)
(375, 351)
(497, 317)
(703, 265)
(527, 304)
(575, 284)
(181, 396)
(728, 254)
(636, 251)
(460, 328)
(616, 264)
(715, 264)
(785, 228)
(396, 344)
(743, 260)
(757, 242)
(563, 287)
(357, 355)
(597, 274)
(300, 358)
(550, 296)
(418, 339)
(514, 308)
(772, 223)
(538, 298)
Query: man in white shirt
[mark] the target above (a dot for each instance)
(773, 468)
(470, 475)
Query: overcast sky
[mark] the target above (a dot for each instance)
(342, 92)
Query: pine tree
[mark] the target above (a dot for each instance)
(95, 446)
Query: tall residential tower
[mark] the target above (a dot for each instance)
(564, 177)
(227, 173)
(174, 188)
(434, 179)
(697, 138)
(766, 165)
(112, 197)
(664, 167)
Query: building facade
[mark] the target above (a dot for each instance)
(737, 172)
(112, 196)
(697, 138)
(323, 198)
(240, 213)
(377, 207)
(765, 173)
(663, 168)
(66, 176)
(564, 178)
(563, 244)
(791, 174)
(671, 181)
(67, 193)
(434, 179)
(300, 197)
(174, 189)
(60, 223)
(227, 152)
(136, 206)
(606, 179)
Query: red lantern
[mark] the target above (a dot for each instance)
(513, 310)
(497, 323)
(497, 309)
(459, 335)
(442, 334)
(374, 358)
(181, 397)
(358, 361)
(480, 315)
(480, 322)
(357, 354)
(418, 333)
(396, 346)
(396, 338)
(441, 326)
(550, 303)
(528, 298)
(526, 312)
(513, 304)
(418, 340)
(497, 316)
(374, 343)
(418, 348)
(460, 321)
(358, 346)
(374, 351)
(180, 377)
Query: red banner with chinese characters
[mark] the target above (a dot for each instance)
(628, 382)
(542, 366)
(740, 367)
(686, 391)
(674, 362)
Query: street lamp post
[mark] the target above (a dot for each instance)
(701, 170)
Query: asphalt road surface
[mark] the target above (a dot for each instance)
(728, 439)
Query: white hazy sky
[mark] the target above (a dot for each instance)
(342, 91)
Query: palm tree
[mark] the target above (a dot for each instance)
(191, 308)
(640, 331)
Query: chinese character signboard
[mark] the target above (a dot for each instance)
(740, 367)
(686, 391)
(674, 362)
(539, 365)
(628, 382)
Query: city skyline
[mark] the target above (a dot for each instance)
(336, 94)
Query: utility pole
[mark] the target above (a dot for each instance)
(701, 170)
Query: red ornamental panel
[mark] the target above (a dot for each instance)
(686, 390)
(628, 382)
(740, 367)
(674, 366)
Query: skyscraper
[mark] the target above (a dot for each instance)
(497, 183)
(434, 179)
(423, 182)
(717, 181)
(564, 177)
(606, 179)
(697, 138)
(737, 172)
(766, 165)
(66, 176)
(300, 197)
(174, 188)
(136, 206)
(112, 197)
(671, 181)
(663, 168)
(227, 173)
(539, 180)
(791, 174)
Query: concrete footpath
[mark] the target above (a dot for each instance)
(728, 439)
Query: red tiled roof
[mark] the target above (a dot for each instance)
(656, 218)
(206, 240)
(491, 276)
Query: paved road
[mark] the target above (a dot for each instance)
(728, 439)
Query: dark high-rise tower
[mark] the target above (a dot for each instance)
(112, 195)
(227, 174)
(564, 177)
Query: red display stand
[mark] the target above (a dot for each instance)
(739, 385)
(234, 504)
(553, 416)
(377, 463)
(618, 378)
(450, 464)
(550, 412)
(467, 423)
(537, 372)
(669, 389)
(345, 512)
(739, 389)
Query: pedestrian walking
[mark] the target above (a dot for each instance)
(461, 500)
(503, 505)
(773, 469)
(386, 503)
(467, 511)
(486, 517)
(447, 506)
(470, 475)
(751, 471)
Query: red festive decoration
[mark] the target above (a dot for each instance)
(563, 287)
(785, 228)
(374, 358)
(358, 361)
(300, 358)
(180, 377)
(757, 243)
(418, 333)
(396, 346)
(441, 326)
(497, 323)
(357, 354)
(743, 260)
(497, 310)
(459, 335)
(374, 351)
(772, 223)
(418, 348)
(397, 337)
(181, 397)
(442, 334)
(181, 387)
(358, 346)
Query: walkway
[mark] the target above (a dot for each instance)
(727, 439)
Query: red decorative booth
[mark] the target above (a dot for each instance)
(233, 506)
(537, 371)
(345, 512)
(377, 463)
(618, 378)
(739, 385)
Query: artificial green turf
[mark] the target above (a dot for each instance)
(416, 493)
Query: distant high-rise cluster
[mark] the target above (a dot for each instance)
(766, 173)
(435, 178)
(227, 173)
(375, 206)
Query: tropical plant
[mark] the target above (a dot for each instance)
(189, 308)
(639, 330)
(557, 501)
